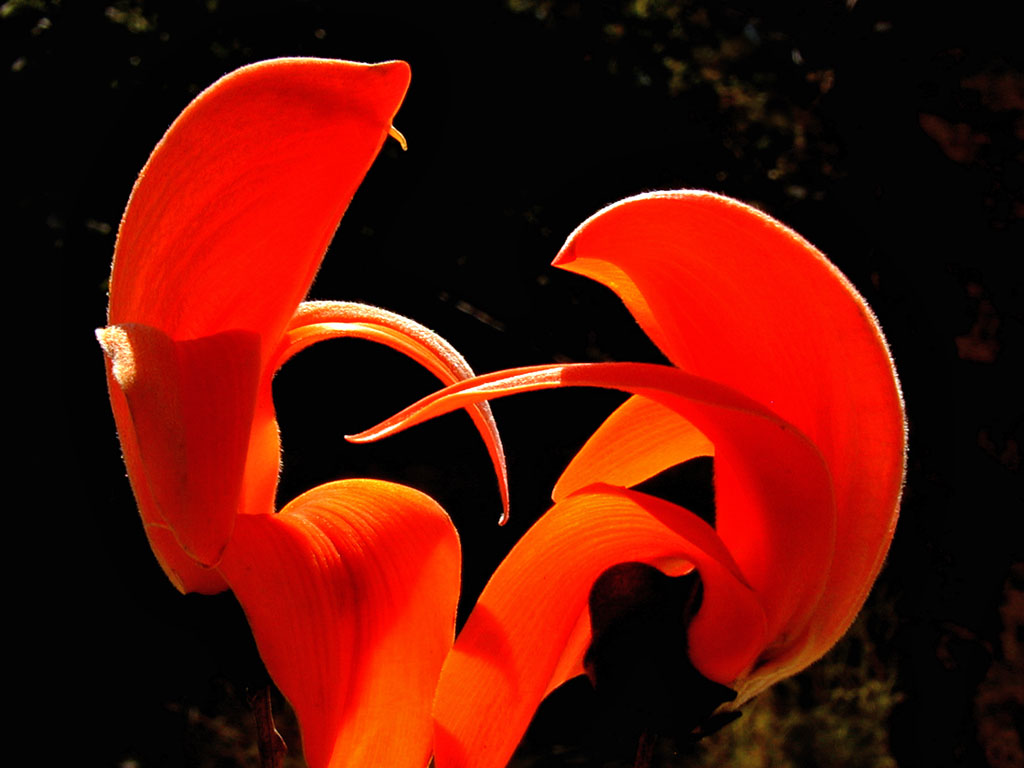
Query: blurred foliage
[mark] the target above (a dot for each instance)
(12, 7)
(999, 705)
(833, 715)
(223, 732)
(722, 62)
(130, 16)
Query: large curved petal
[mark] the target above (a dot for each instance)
(189, 408)
(232, 213)
(521, 639)
(351, 594)
(640, 439)
(730, 294)
(771, 484)
(318, 320)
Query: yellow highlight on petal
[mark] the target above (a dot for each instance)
(397, 136)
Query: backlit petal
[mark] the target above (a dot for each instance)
(522, 638)
(184, 572)
(732, 295)
(189, 410)
(640, 439)
(318, 320)
(263, 461)
(351, 594)
(770, 481)
(232, 213)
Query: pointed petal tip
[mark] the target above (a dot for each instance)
(376, 433)
(566, 255)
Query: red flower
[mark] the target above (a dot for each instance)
(351, 588)
(781, 372)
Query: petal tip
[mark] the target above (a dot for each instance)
(566, 255)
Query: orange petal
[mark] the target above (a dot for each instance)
(233, 211)
(773, 500)
(263, 461)
(640, 439)
(189, 411)
(522, 637)
(732, 295)
(318, 320)
(184, 572)
(351, 594)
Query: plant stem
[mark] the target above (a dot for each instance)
(271, 745)
(644, 750)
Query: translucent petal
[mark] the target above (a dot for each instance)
(522, 638)
(732, 295)
(771, 483)
(351, 594)
(190, 408)
(640, 439)
(231, 215)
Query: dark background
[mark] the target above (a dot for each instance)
(888, 133)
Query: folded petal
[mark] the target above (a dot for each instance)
(523, 637)
(351, 594)
(730, 294)
(186, 427)
(318, 320)
(773, 498)
(185, 573)
(640, 439)
(232, 213)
